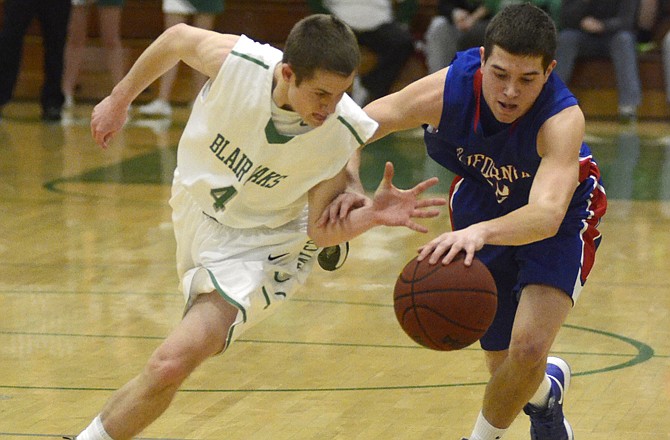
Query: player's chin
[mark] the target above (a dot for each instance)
(317, 119)
(507, 113)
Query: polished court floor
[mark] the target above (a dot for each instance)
(88, 289)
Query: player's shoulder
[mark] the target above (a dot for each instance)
(246, 50)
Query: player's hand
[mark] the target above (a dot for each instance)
(107, 119)
(449, 244)
(340, 207)
(396, 207)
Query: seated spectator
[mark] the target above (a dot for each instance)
(459, 25)
(597, 27)
(647, 17)
(381, 28)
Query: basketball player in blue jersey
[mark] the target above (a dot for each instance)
(527, 200)
(263, 153)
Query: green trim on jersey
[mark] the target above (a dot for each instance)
(226, 297)
(351, 129)
(273, 136)
(250, 58)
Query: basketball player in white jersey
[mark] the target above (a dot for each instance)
(262, 155)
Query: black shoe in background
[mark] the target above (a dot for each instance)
(51, 114)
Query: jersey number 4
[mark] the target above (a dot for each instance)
(222, 196)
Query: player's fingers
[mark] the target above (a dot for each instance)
(424, 252)
(388, 173)
(345, 208)
(441, 248)
(422, 186)
(425, 213)
(323, 219)
(416, 227)
(469, 256)
(453, 251)
(436, 201)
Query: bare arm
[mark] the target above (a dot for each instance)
(390, 206)
(559, 141)
(201, 49)
(417, 104)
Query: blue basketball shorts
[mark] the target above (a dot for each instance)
(563, 261)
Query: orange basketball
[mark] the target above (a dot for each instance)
(445, 307)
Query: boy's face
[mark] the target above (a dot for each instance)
(512, 83)
(316, 98)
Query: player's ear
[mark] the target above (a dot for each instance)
(482, 55)
(550, 68)
(287, 72)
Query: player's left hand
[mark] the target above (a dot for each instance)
(395, 207)
(341, 206)
(446, 246)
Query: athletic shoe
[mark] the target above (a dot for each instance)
(157, 107)
(333, 257)
(69, 102)
(549, 423)
(51, 114)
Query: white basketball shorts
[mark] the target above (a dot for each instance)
(253, 269)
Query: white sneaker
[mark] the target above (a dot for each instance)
(157, 107)
(69, 102)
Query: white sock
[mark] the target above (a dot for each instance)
(485, 431)
(94, 431)
(541, 397)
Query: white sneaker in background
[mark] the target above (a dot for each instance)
(69, 102)
(157, 107)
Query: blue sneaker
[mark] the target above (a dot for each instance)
(549, 423)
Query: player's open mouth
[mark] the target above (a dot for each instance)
(507, 107)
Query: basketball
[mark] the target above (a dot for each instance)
(445, 307)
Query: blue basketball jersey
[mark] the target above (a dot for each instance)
(495, 164)
(472, 144)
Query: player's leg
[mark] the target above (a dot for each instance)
(110, 31)
(516, 373)
(201, 334)
(74, 49)
(542, 310)
(161, 105)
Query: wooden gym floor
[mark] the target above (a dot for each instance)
(88, 289)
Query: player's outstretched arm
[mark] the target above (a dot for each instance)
(201, 49)
(418, 103)
(390, 206)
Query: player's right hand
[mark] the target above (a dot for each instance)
(107, 119)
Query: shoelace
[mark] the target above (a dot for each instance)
(548, 423)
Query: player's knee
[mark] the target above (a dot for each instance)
(166, 371)
(528, 352)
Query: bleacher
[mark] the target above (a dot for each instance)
(270, 20)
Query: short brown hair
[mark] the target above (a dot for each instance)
(522, 29)
(321, 41)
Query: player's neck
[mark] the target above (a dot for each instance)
(280, 89)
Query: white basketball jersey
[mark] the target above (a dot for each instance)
(236, 165)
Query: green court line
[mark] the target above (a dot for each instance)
(629, 169)
(644, 353)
